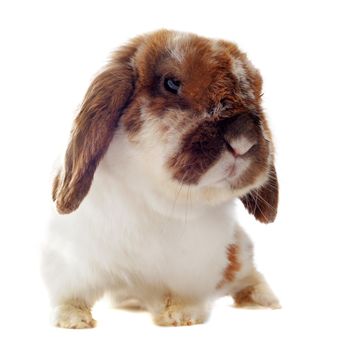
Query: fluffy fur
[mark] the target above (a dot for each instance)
(145, 196)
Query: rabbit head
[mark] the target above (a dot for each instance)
(189, 105)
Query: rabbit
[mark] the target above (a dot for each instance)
(170, 135)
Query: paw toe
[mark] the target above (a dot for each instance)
(176, 319)
(68, 316)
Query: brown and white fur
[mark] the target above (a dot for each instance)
(170, 134)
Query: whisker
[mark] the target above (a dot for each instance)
(178, 194)
(258, 207)
(188, 189)
(263, 200)
(174, 204)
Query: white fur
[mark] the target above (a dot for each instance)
(123, 217)
(240, 72)
(139, 234)
(176, 45)
(226, 171)
(129, 238)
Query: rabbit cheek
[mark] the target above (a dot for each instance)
(132, 121)
(199, 150)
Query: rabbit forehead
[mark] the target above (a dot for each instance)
(209, 69)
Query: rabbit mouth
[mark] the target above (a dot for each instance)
(229, 170)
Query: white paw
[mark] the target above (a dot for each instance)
(175, 313)
(74, 317)
(177, 318)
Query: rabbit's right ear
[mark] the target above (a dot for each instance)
(93, 129)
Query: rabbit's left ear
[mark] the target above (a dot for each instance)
(263, 201)
(93, 130)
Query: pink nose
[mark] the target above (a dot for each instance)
(240, 146)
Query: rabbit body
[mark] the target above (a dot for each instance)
(148, 209)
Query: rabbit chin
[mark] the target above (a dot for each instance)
(223, 182)
(177, 200)
(227, 170)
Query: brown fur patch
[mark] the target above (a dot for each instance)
(200, 149)
(244, 297)
(232, 267)
(132, 121)
(263, 201)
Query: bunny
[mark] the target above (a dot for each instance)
(170, 134)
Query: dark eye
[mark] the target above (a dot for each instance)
(172, 85)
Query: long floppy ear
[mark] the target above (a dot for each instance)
(93, 129)
(263, 201)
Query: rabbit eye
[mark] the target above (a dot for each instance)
(172, 85)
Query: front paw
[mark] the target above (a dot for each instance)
(175, 313)
(174, 317)
(74, 317)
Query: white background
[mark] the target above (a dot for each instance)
(50, 50)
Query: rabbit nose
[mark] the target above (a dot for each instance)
(240, 146)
